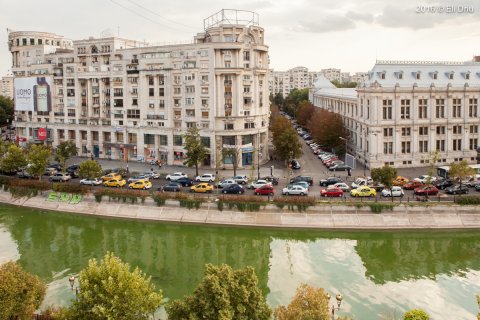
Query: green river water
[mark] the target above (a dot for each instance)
(380, 274)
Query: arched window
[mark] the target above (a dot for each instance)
(94, 49)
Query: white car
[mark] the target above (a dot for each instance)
(296, 190)
(225, 183)
(152, 174)
(258, 184)
(342, 185)
(425, 178)
(241, 179)
(176, 175)
(395, 192)
(207, 177)
(91, 182)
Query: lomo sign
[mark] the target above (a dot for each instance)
(42, 134)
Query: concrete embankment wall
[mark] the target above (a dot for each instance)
(324, 216)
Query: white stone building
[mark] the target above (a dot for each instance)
(7, 87)
(406, 110)
(284, 82)
(124, 99)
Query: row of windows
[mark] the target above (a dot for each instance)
(423, 146)
(423, 108)
(423, 131)
(418, 75)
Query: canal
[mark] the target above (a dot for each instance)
(380, 274)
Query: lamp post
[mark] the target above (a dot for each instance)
(339, 299)
(75, 288)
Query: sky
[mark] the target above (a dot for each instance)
(346, 34)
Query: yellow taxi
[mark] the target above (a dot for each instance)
(115, 183)
(202, 188)
(140, 184)
(399, 181)
(363, 192)
(111, 176)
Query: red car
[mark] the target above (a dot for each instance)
(265, 190)
(330, 160)
(331, 192)
(425, 190)
(413, 185)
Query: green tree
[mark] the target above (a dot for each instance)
(309, 303)
(461, 171)
(285, 140)
(65, 150)
(235, 153)
(38, 157)
(433, 159)
(20, 292)
(293, 100)
(196, 151)
(416, 314)
(6, 110)
(344, 84)
(326, 128)
(109, 290)
(384, 175)
(223, 294)
(89, 169)
(13, 159)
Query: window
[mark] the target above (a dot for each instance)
(423, 131)
(435, 76)
(177, 140)
(387, 132)
(249, 125)
(406, 132)
(177, 90)
(189, 101)
(417, 75)
(440, 129)
(472, 108)
(151, 92)
(405, 146)
(473, 144)
(457, 129)
(405, 109)
(133, 114)
(450, 76)
(205, 141)
(457, 108)
(161, 92)
(457, 144)
(388, 147)
(229, 140)
(247, 139)
(149, 139)
(423, 146)
(474, 129)
(440, 108)
(205, 114)
(228, 126)
(161, 104)
(440, 145)
(387, 109)
(246, 55)
(150, 80)
(163, 140)
(422, 108)
(190, 89)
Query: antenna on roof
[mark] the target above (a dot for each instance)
(118, 31)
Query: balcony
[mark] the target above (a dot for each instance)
(155, 117)
(59, 114)
(71, 114)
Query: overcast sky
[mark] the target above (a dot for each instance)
(346, 34)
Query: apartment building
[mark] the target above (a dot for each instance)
(125, 99)
(284, 82)
(6, 88)
(407, 110)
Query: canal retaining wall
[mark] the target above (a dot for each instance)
(325, 216)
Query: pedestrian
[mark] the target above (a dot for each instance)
(349, 172)
(127, 167)
(151, 169)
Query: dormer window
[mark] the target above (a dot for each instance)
(466, 75)
(381, 75)
(417, 75)
(399, 75)
(435, 75)
(450, 75)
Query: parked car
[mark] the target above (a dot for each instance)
(233, 189)
(295, 190)
(171, 187)
(477, 187)
(226, 183)
(295, 164)
(72, 170)
(426, 190)
(443, 184)
(57, 166)
(340, 167)
(241, 179)
(334, 162)
(308, 179)
(342, 185)
(301, 183)
(265, 190)
(152, 175)
(207, 177)
(91, 182)
(331, 191)
(203, 187)
(411, 185)
(363, 192)
(457, 189)
(137, 178)
(329, 181)
(396, 191)
(272, 180)
(399, 181)
(60, 177)
(111, 176)
(140, 184)
(185, 182)
(23, 174)
(115, 183)
(257, 184)
(425, 179)
(176, 175)
(50, 172)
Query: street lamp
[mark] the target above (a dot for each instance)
(339, 299)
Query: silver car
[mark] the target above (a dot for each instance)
(60, 177)
(296, 190)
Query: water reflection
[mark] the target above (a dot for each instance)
(376, 271)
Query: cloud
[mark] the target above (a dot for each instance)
(329, 23)
(356, 16)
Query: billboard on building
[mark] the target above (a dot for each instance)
(33, 94)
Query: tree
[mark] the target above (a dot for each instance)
(38, 157)
(285, 140)
(326, 128)
(293, 101)
(308, 303)
(461, 171)
(6, 110)
(65, 150)
(109, 290)
(433, 159)
(196, 151)
(13, 159)
(344, 84)
(416, 314)
(223, 294)
(21, 293)
(89, 169)
(305, 112)
(384, 175)
(235, 153)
